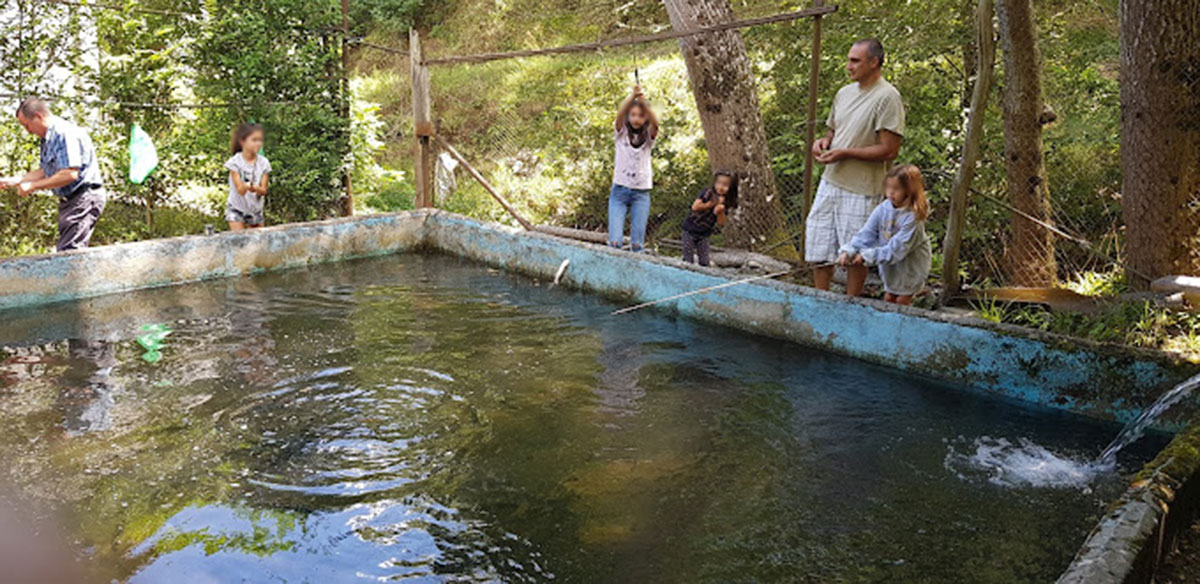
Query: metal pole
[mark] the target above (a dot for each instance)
(814, 75)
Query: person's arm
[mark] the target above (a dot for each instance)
(59, 179)
(701, 205)
(885, 149)
(653, 121)
(867, 237)
(9, 182)
(261, 189)
(719, 210)
(623, 112)
(238, 184)
(894, 250)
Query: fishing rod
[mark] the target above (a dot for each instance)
(629, 309)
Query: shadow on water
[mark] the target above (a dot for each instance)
(424, 418)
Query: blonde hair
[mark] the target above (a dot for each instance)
(913, 185)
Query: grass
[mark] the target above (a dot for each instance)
(1137, 323)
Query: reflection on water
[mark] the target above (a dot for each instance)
(425, 419)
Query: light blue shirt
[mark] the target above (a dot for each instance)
(894, 240)
(69, 146)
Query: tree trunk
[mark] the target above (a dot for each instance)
(727, 99)
(1030, 255)
(1160, 137)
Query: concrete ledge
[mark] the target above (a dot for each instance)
(1142, 526)
(1103, 381)
(32, 280)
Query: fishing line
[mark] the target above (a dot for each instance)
(725, 285)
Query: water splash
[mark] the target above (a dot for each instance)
(1026, 464)
(1135, 429)
(1023, 464)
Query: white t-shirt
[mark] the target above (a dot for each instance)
(632, 167)
(252, 174)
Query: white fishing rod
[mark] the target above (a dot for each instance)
(720, 286)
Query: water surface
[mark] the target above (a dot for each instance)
(424, 419)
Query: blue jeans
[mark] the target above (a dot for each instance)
(637, 204)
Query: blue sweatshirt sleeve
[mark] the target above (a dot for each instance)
(868, 236)
(894, 250)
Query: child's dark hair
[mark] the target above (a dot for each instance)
(240, 134)
(731, 198)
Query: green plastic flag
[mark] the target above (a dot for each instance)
(143, 156)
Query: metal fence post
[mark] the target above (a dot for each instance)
(814, 75)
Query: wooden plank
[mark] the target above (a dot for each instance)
(483, 182)
(952, 245)
(635, 40)
(422, 105)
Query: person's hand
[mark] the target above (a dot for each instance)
(719, 209)
(857, 261)
(832, 156)
(843, 260)
(819, 147)
(637, 90)
(25, 188)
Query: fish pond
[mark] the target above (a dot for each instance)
(421, 418)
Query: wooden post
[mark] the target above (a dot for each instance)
(348, 208)
(952, 245)
(814, 76)
(422, 122)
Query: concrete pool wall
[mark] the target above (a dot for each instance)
(1102, 381)
(1142, 526)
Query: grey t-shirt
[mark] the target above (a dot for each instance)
(632, 167)
(252, 174)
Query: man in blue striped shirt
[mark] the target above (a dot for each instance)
(69, 168)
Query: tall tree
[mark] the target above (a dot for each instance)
(727, 99)
(1160, 136)
(1030, 255)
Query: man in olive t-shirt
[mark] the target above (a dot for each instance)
(866, 125)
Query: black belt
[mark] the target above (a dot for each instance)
(84, 188)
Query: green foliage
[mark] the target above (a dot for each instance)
(276, 61)
(386, 15)
(255, 53)
(395, 193)
(1138, 323)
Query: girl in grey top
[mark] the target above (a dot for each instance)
(248, 178)
(894, 237)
